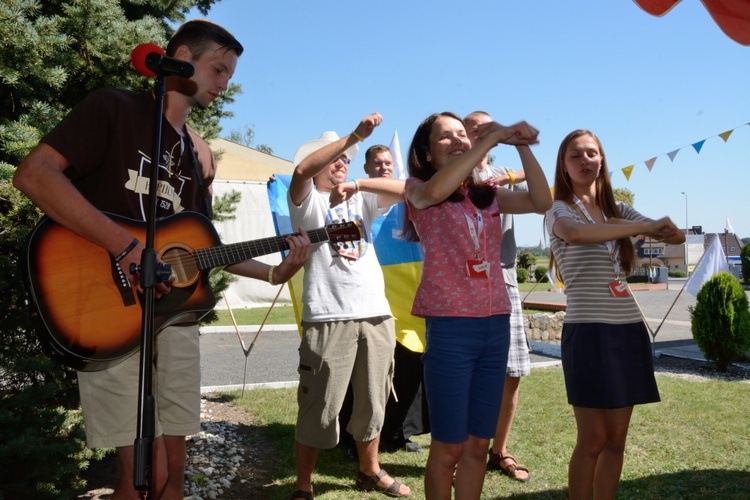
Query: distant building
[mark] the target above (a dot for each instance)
(653, 253)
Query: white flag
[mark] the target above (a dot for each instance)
(395, 148)
(712, 262)
(728, 228)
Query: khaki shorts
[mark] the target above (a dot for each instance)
(109, 398)
(331, 354)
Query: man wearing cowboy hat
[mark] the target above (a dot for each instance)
(348, 329)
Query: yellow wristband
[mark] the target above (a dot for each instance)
(270, 275)
(356, 186)
(359, 137)
(512, 178)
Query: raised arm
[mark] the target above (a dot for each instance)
(537, 199)
(446, 180)
(302, 178)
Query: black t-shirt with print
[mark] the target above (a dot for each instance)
(108, 138)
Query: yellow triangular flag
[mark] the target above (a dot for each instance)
(627, 171)
(725, 135)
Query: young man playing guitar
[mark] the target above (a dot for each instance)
(96, 160)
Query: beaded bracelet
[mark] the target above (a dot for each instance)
(129, 248)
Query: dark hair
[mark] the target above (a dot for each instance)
(421, 168)
(198, 35)
(605, 197)
(373, 150)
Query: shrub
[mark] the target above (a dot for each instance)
(522, 274)
(677, 273)
(540, 274)
(745, 262)
(721, 320)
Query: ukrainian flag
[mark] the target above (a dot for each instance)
(400, 260)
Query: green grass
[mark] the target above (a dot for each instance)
(695, 444)
(280, 315)
(284, 315)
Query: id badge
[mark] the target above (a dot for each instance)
(477, 268)
(619, 289)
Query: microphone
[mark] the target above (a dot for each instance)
(151, 60)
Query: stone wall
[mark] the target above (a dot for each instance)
(544, 327)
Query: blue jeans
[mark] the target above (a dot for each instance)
(464, 372)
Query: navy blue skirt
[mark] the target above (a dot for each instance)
(608, 366)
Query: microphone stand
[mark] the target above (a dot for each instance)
(151, 272)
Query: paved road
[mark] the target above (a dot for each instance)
(273, 357)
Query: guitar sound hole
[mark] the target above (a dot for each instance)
(184, 268)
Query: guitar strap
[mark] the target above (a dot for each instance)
(198, 174)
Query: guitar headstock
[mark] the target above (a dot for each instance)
(343, 231)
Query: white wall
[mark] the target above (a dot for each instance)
(253, 221)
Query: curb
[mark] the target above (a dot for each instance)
(248, 328)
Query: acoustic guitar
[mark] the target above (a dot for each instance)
(91, 313)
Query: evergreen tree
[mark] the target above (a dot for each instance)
(52, 54)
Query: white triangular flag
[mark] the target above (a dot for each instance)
(728, 228)
(712, 262)
(395, 148)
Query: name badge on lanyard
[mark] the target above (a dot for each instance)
(476, 267)
(618, 288)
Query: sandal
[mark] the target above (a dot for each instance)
(495, 462)
(369, 483)
(307, 495)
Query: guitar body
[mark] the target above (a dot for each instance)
(91, 313)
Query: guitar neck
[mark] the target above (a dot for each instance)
(224, 255)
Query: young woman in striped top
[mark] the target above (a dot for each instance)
(606, 350)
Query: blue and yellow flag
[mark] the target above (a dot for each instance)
(401, 262)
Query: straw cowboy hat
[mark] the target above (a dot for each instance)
(327, 138)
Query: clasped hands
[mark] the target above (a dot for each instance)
(519, 134)
(660, 229)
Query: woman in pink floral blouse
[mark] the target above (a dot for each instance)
(462, 295)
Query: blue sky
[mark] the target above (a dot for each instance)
(647, 86)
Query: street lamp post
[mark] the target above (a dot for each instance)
(687, 251)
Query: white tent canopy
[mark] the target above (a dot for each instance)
(246, 171)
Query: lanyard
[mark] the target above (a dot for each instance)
(475, 233)
(612, 246)
(349, 250)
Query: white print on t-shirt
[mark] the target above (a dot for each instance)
(138, 182)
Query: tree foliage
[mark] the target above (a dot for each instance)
(745, 263)
(721, 320)
(625, 196)
(525, 260)
(246, 138)
(53, 53)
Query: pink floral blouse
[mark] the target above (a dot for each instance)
(446, 289)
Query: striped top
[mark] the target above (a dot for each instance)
(587, 271)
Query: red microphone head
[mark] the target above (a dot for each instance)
(139, 54)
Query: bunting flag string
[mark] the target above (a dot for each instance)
(697, 146)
